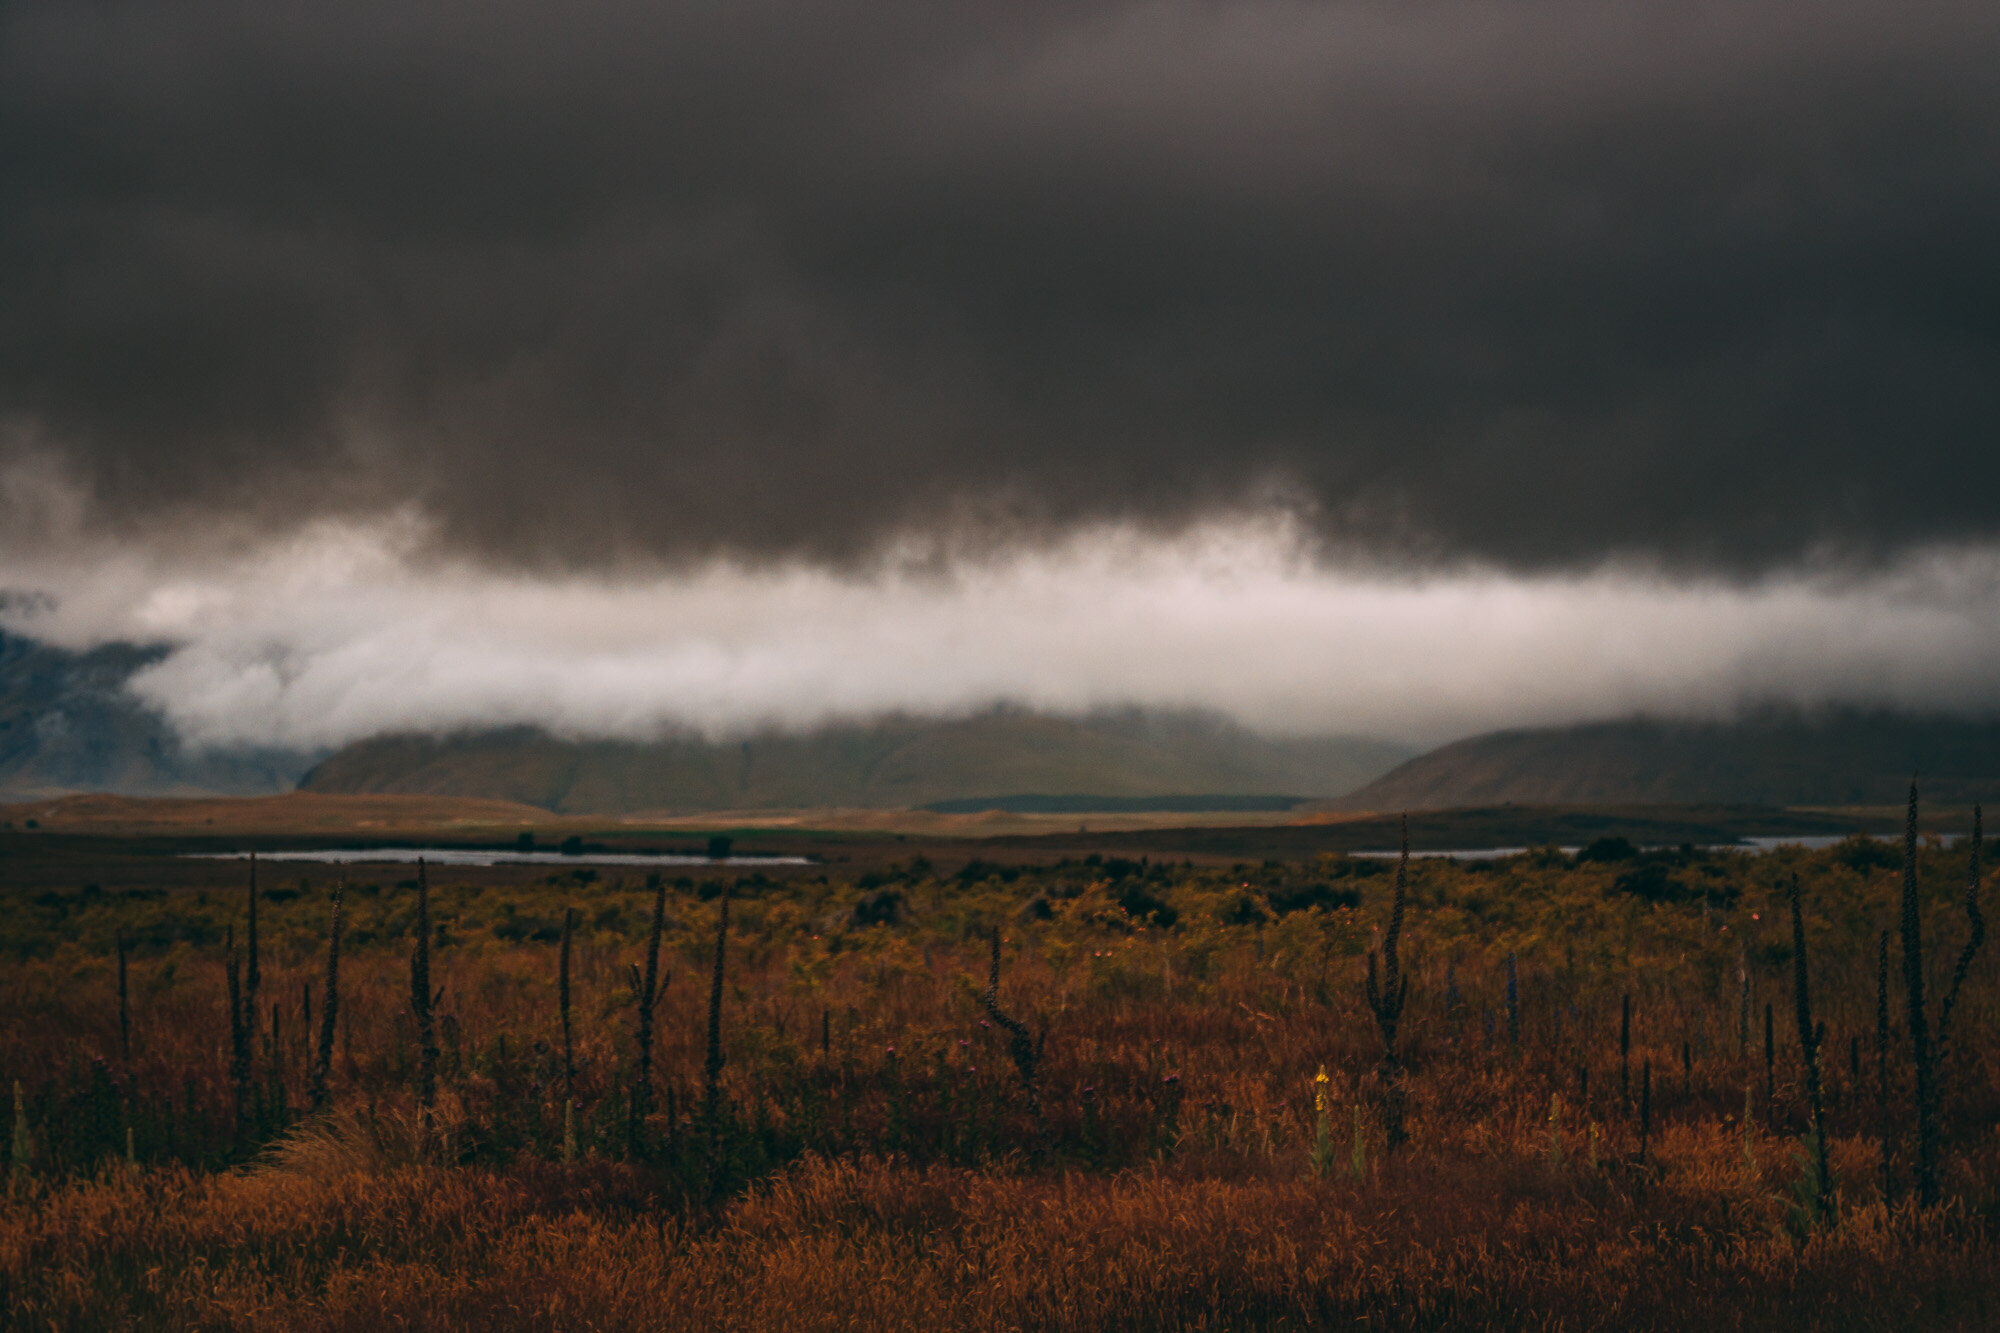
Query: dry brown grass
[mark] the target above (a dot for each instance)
(890, 1246)
(1168, 1187)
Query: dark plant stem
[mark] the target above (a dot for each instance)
(124, 1006)
(712, 1068)
(1743, 999)
(330, 1010)
(1770, 1071)
(1810, 1038)
(1888, 1124)
(253, 975)
(1625, 1053)
(1024, 1050)
(421, 998)
(1513, 995)
(1645, 1109)
(1921, 1053)
(562, 1005)
(1386, 1001)
(642, 1086)
(239, 1041)
(1976, 934)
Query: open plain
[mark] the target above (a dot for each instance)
(1164, 1101)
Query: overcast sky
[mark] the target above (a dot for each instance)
(1397, 367)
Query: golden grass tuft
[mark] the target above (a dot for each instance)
(886, 1245)
(349, 1141)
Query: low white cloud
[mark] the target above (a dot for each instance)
(346, 630)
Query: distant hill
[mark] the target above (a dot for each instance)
(68, 723)
(1086, 804)
(890, 764)
(1773, 758)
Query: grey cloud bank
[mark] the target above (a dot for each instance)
(1408, 368)
(1531, 285)
(337, 634)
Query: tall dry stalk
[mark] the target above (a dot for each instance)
(253, 974)
(1625, 1054)
(1513, 1002)
(23, 1152)
(421, 997)
(239, 1042)
(330, 1009)
(1743, 998)
(712, 1067)
(1645, 1110)
(1023, 1050)
(1810, 1038)
(124, 1005)
(1886, 1116)
(562, 1005)
(1921, 1054)
(1976, 933)
(642, 1086)
(1770, 1071)
(1385, 1000)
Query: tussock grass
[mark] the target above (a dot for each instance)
(845, 1126)
(888, 1245)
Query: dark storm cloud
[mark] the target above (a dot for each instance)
(1533, 281)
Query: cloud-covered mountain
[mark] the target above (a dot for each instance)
(68, 723)
(888, 764)
(1774, 758)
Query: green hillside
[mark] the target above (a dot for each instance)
(1778, 758)
(890, 764)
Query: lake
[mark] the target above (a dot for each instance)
(463, 856)
(1810, 842)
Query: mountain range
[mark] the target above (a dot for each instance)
(1003, 758)
(1779, 757)
(69, 723)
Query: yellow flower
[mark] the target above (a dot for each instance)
(1319, 1091)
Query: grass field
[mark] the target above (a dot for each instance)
(1129, 1131)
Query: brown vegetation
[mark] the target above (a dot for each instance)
(850, 1129)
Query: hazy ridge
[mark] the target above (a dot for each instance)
(68, 723)
(893, 763)
(1772, 758)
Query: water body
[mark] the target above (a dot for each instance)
(1810, 842)
(463, 856)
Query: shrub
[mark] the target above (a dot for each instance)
(1140, 903)
(1285, 900)
(1607, 851)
